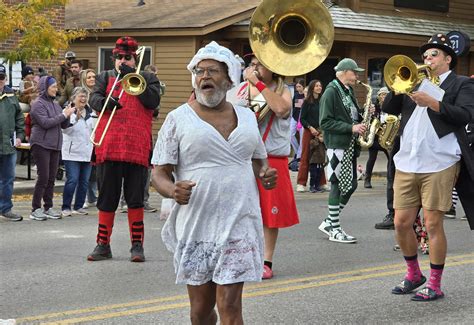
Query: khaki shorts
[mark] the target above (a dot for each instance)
(432, 191)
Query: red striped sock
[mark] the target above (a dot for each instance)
(135, 224)
(106, 223)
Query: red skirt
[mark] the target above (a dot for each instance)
(278, 205)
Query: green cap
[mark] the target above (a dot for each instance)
(347, 64)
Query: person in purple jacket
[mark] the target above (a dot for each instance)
(47, 119)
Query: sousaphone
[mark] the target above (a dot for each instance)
(291, 37)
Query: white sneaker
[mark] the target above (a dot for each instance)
(66, 213)
(38, 215)
(338, 236)
(325, 226)
(348, 236)
(300, 188)
(87, 205)
(80, 211)
(52, 214)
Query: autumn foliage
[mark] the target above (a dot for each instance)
(29, 23)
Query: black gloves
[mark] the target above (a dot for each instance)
(125, 69)
(113, 101)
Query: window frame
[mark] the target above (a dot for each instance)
(100, 62)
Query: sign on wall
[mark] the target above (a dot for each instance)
(460, 41)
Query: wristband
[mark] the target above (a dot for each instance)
(260, 86)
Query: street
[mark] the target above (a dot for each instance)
(46, 279)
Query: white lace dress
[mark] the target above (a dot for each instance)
(218, 236)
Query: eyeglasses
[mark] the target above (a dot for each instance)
(127, 57)
(199, 72)
(3, 77)
(432, 53)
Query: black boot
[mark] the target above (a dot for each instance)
(367, 180)
(387, 222)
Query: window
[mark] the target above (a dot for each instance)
(431, 5)
(375, 74)
(13, 73)
(106, 62)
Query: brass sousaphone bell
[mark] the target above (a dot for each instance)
(290, 37)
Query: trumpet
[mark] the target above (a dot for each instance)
(132, 83)
(402, 74)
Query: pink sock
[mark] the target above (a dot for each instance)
(435, 278)
(413, 268)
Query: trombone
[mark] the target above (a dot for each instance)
(132, 83)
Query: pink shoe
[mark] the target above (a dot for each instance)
(267, 273)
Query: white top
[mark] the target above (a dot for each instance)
(421, 150)
(218, 236)
(278, 140)
(77, 145)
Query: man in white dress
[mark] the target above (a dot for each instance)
(207, 158)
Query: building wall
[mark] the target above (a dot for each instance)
(459, 10)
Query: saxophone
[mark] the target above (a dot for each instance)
(366, 140)
(388, 131)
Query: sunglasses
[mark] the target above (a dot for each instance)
(432, 53)
(3, 77)
(127, 57)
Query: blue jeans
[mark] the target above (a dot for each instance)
(7, 176)
(77, 180)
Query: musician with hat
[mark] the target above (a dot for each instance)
(340, 120)
(124, 154)
(434, 156)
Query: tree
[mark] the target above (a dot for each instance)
(29, 25)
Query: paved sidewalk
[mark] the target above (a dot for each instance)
(24, 186)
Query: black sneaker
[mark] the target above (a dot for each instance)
(101, 252)
(387, 222)
(137, 252)
(451, 214)
(10, 216)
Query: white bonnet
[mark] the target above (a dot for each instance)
(214, 51)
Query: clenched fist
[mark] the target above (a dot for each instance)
(182, 191)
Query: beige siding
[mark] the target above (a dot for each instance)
(172, 55)
(459, 10)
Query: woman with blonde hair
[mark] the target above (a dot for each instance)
(88, 83)
(88, 80)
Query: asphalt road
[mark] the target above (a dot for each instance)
(46, 279)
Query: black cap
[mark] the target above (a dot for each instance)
(26, 71)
